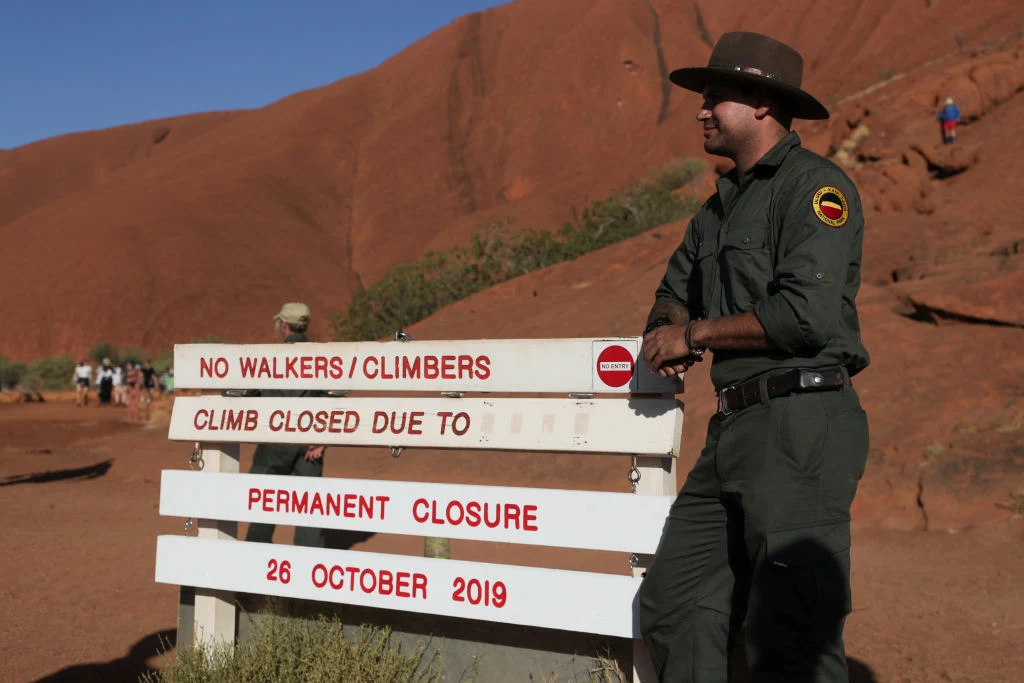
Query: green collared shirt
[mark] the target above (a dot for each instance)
(783, 241)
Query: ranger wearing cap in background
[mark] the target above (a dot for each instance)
(758, 540)
(305, 461)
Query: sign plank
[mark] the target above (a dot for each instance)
(493, 365)
(646, 426)
(614, 521)
(574, 601)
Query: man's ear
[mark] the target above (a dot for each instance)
(764, 103)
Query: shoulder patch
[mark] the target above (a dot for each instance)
(831, 207)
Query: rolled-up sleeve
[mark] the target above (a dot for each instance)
(821, 222)
(677, 286)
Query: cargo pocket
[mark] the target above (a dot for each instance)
(805, 582)
(746, 265)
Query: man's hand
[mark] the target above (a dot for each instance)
(665, 351)
(314, 453)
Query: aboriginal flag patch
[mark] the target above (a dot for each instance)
(830, 206)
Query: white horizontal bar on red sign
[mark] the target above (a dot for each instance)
(488, 365)
(643, 426)
(548, 598)
(612, 521)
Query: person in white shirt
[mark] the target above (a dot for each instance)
(83, 371)
(118, 382)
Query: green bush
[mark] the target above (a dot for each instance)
(165, 361)
(209, 339)
(104, 350)
(500, 251)
(134, 355)
(287, 650)
(50, 373)
(11, 373)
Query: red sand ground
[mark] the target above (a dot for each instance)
(478, 122)
(82, 605)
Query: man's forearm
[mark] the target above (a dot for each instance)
(677, 313)
(740, 331)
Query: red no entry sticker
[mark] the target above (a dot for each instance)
(615, 366)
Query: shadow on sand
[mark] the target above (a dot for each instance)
(127, 668)
(90, 472)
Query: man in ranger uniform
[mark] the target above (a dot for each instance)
(300, 460)
(758, 539)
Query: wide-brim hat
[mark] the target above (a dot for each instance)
(746, 57)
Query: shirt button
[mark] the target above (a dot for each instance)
(818, 275)
(746, 240)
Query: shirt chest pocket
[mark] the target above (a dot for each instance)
(745, 266)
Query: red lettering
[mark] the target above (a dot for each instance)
(366, 367)
(464, 418)
(289, 366)
(306, 367)
(396, 427)
(511, 514)
(234, 419)
(202, 412)
(433, 513)
(402, 585)
(321, 367)
(419, 581)
(251, 420)
(465, 367)
(386, 582)
(383, 369)
(317, 504)
(448, 367)
(448, 512)
(483, 367)
(430, 367)
(337, 367)
(277, 373)
(410, 369)
(248, 366)
(382, 500)
(529, 518)
(350, 505)
(320, 423)
(415, 514)
(444, 420)
(337, 580)
(497, 516)
(282, 501)
(300, 505)
(268, 500)
(276, 427)
(254, 497)
(362, 580)
(336, 418)
(334, 504)
(206, 367)
(473, 514)
(349, 428)
(416, 422)
(319, 570)
(365, 507)
(378, 416)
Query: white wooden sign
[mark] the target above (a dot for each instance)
(548, 598)
(650, 426)
(518, 365)
(614, 521)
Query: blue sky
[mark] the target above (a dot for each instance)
(80, 65)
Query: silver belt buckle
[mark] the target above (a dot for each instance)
(722, 410)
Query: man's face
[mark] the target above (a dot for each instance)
(728, 118)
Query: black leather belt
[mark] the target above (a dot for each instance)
(746, 394)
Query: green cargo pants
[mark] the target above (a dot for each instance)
(285, 459)
(758, 543)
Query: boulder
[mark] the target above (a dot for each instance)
(949, 160)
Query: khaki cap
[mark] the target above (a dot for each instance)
(294, 313)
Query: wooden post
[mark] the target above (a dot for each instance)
(657, 478)
(216, 615)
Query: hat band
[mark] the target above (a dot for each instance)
(750, 70)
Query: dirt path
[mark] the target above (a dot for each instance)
(79, 491)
